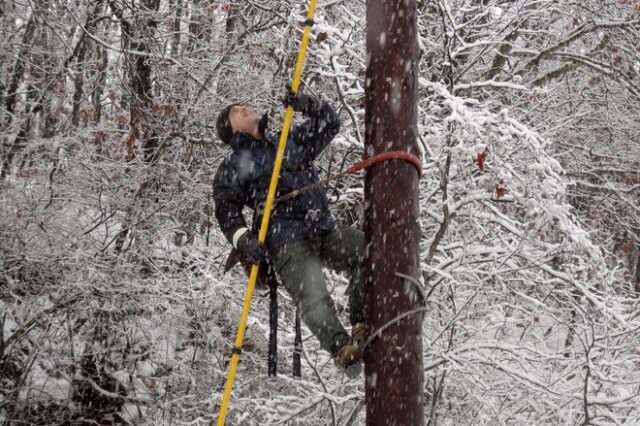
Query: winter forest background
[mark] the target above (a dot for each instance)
(113, 304)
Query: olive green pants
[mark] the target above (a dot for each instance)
(299, 265)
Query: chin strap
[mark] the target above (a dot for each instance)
(263, 124)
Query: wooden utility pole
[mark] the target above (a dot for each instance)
(393, 360)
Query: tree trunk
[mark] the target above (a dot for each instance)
(99, 86)
(177, 25)
(138, 35)
(9, 148)
(81, 51)
(230, 29)
(393, 360)
(18, 69)
(200, 24)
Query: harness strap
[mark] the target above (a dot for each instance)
(273, 325)
(297, 349)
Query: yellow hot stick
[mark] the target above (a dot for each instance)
(235, 357)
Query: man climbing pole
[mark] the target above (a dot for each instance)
(302, 236)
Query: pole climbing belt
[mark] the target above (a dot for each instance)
(385, 156)
(237, 348)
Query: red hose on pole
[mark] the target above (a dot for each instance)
(385, 156)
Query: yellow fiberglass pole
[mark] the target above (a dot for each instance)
(237, 349)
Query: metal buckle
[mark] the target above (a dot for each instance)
(314, 214)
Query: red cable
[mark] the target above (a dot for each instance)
(391, 155)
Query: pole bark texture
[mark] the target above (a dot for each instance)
(393, 359)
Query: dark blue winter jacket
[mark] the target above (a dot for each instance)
(243, 180)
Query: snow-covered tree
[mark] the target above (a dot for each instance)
(113, 303)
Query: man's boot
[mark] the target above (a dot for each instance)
(358, 336)
(348, 355)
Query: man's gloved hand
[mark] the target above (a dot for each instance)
(253, 249)
(300, 102)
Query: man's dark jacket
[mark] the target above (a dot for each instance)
(243, 180)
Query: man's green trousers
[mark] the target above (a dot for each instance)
(299, 265)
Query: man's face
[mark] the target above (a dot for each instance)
(243, 119)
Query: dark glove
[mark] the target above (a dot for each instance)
(306, 104)
(254, 250)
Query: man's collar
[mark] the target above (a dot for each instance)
(241, 141)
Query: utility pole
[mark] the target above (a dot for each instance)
(393, 360)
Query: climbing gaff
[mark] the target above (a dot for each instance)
(237, 348)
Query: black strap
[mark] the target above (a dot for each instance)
(236, 350)
(291, 96)
(297, 349)
(273, 326)
(308, 22)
